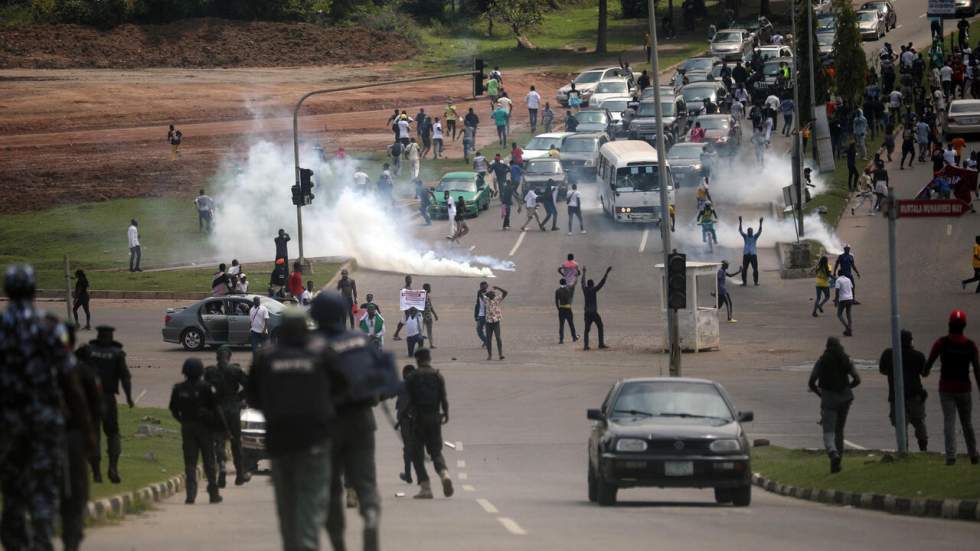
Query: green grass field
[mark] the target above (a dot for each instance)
(915, 476)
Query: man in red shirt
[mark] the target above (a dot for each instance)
(956, 354)
(516, 154)
(295, 285)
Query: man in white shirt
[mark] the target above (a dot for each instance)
(205, 211)
(533, 100)
(360, 180)
(413, 330)
(258, 319)
(135, 251)
(451, 212)
(404, 130)
(437, 137)
(374, 325)
(946, 79)
(508, 105)
(306, 297)
(574, 201)
(412, 154)
(895, 104)
(845, 299)
(531, 204)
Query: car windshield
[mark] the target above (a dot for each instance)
(965, 107)
(591, 116)
(825, 39)
(611, 88)
(649, 109)
(543, 144)
(728, 36)
(713, 123)
(880, 6)
(866, 16)
(579, 145)
(698, 93)
(699, 64)
(543, 166)
(672, 399)
(826, 22)
(685, 151)
(770, 69)
(638, 178)
(615, 106)
(588, 77)
(456, 184)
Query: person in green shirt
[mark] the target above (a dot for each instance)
(500, 117)
(493, 90)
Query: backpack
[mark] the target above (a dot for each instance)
(368, 372)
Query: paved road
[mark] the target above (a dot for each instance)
(519, 424)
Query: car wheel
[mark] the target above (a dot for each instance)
(742, 496)
(605, 492)
(723, 495)
(593, 490)
(192, 339)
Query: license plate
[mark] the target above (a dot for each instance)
(966, 120)
(678, 468)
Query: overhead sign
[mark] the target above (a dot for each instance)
(915, 208)
(411, 298)
(941, 7)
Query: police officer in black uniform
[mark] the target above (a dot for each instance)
(193, 403)
(106, 356)
(293, 384)
(427, 394)
(370, 374)
(229, 382)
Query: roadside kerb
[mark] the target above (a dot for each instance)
(119, 505)
(955, 509)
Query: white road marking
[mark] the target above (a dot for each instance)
(450, 444)
(949, 229)
(899, 26)
(468, 488)
(487, 506)
(463, 476)
(459, 446)
(643, 240)
(853, 445)
(921, 16)
(140, 397)
(461, 464)
(520, 239)
(512, 526)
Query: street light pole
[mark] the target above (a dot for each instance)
(662, 178)
(809, 55)
(796, 160)
(898, 371)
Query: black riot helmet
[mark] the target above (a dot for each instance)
(193, 368)
(293, 328)
(19, 282)
(329, 311)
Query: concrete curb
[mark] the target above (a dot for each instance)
(122, 504)
(954, 509)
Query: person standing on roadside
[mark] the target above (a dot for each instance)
(429, 315)
(533, 101)
(193, 404)
(574, 202)
(414, 336)
(347, 288)
(480, 313)
(205, 211)
(832, 379)
(823, 276)
(282, 250)
(965, 282)
(492, 300)
(563, 303)
(426, 395)
(174, 138)
(547, 117)
(750, 252)
(956, 354)
(258, 317)
(913, 367)
(82, 299)
(373, 324)
(451, 117)
(591, 291)
(135, 250)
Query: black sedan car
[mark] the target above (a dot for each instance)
(669, 433)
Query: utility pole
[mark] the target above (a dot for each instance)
(797, 161)
(898, 375)
(662, 177)
(68, 298)
(809, 55)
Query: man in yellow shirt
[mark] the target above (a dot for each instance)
(451, 116)
(976, 266)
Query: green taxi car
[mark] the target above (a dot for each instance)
(476, 197)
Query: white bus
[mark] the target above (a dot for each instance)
(629, 188)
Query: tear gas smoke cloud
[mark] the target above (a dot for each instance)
(745, 182)
(254, 201)
(688, 235)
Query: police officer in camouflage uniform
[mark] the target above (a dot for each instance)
(193, 403)
(106, 356)
(369, 373)
(229, 382)
(426, 395)
(38, 389)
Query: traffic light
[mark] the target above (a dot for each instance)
(478, 77)
(677, 281)
(306, 185)
(297, 196)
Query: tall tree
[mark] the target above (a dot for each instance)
(849, 61)
(520, 16)
(600, 42)
(805, 51)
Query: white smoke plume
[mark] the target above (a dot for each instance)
(745, 182)
(253, 200)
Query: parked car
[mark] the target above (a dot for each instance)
(695, 94)
(538, 171)
(586, 82)
(217, 320)
(465, 184)
(963, 117)
(539, 145)
(685, 163)
(616, 106)
(886, 11)
(594, 120)
(643, 126)
(731, 44)
(669, 433)
(580, 155)
(609, 88)
(253, 438)
(720, 130)
(871, 24)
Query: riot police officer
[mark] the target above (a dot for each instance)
(427, 394)
(229, 382)
(39, 380)
(193, 403)
(293, 384)
(369, 373)
(106, 356)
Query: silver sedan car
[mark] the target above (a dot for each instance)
(963, 117)
(217, 320)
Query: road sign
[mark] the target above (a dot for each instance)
(941, 7)
(915, 208)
